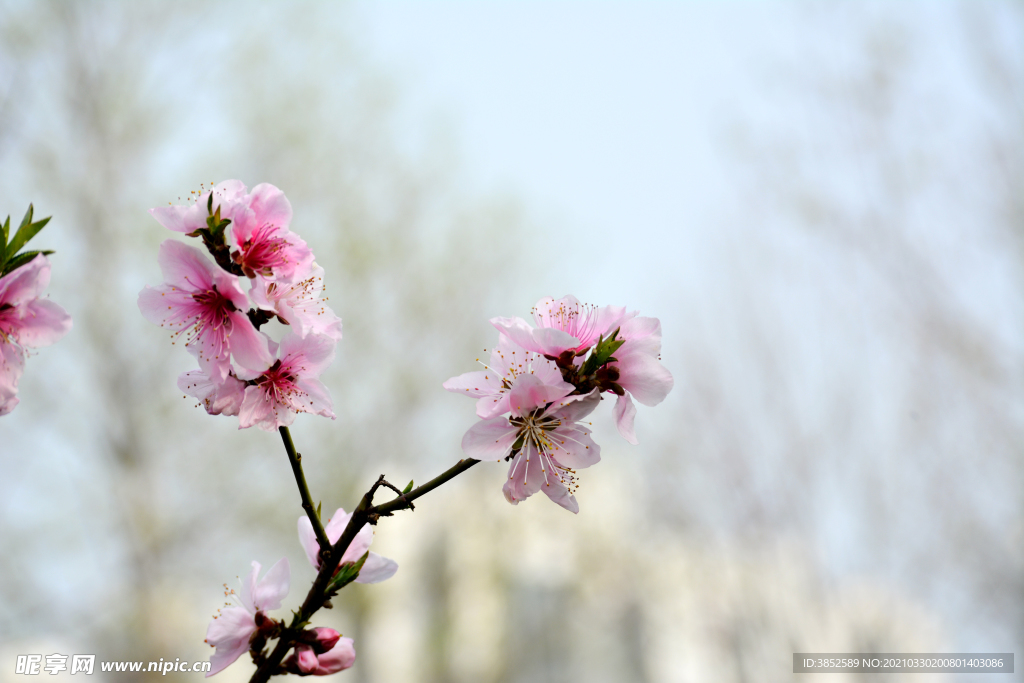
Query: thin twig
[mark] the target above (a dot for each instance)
(307, 501)
(317, 595)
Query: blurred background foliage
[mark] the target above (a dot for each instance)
(838, 469)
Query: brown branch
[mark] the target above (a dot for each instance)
(307, 502)
(365, 513)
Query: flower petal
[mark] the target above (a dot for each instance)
(270, 205)
(25, 282)
(625, 411)
(573, 447)
(273, 587)
(359, 545)
(646, 378)
(556, 491)
(248, 345)
(377, 569)
(529, 393)
(526, 475)
(489, 439)
(185, 266)
(229, 633)
(307, 538)
(43, 323)
(475, 384)
(342, 656)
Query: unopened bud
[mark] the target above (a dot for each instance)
(326, 639)
(305, 658)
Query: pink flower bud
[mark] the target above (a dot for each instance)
(306, 658)
(340, 657)
(326, 639)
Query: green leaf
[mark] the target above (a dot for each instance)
(27, 219)
(6, 230)
(318, 510)
(26, 231)
(21, 259)
(602, 353)
(347, 573)
(408, 487)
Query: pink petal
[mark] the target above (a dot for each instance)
(43, 323)
(336, 526)
(317, 398)
(257, 411)
(576, 407)
(646, 378)
(185, 266)
(229, 633)
(625, 411)
(377, 569)
(181, 217)
(25, 282)
(492, 405)
(573, 447)
(8, 405)
(340, 657)
(273, 587)
(307, 538)
(519, 332)
(310, 356)
(474, 384)
(489, 439)
(248, 346)
(305, 658)
(249, 587)
(270, 205)
(218, 399)
(167, 306)
(526, 475)
(529, 393)
(12, 364)
(359, 545)
(555, 490)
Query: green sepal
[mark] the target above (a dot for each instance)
(347, 573)
(214, 222)
(6, 230)
(408, 487)
(21, 259)
(26, 231)
(318, 510)
(602, 353)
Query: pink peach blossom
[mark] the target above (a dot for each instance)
(342, 656)
(552, 444)
(231, 629)
(299, 304)
(229, 196)
(376, 568)
(641, 373)
(206, 303)
(562, 325)
(263, 244)
(26, 321)
(491, 386)
(224, 398)
(290, 385)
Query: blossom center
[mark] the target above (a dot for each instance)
(262, 252)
